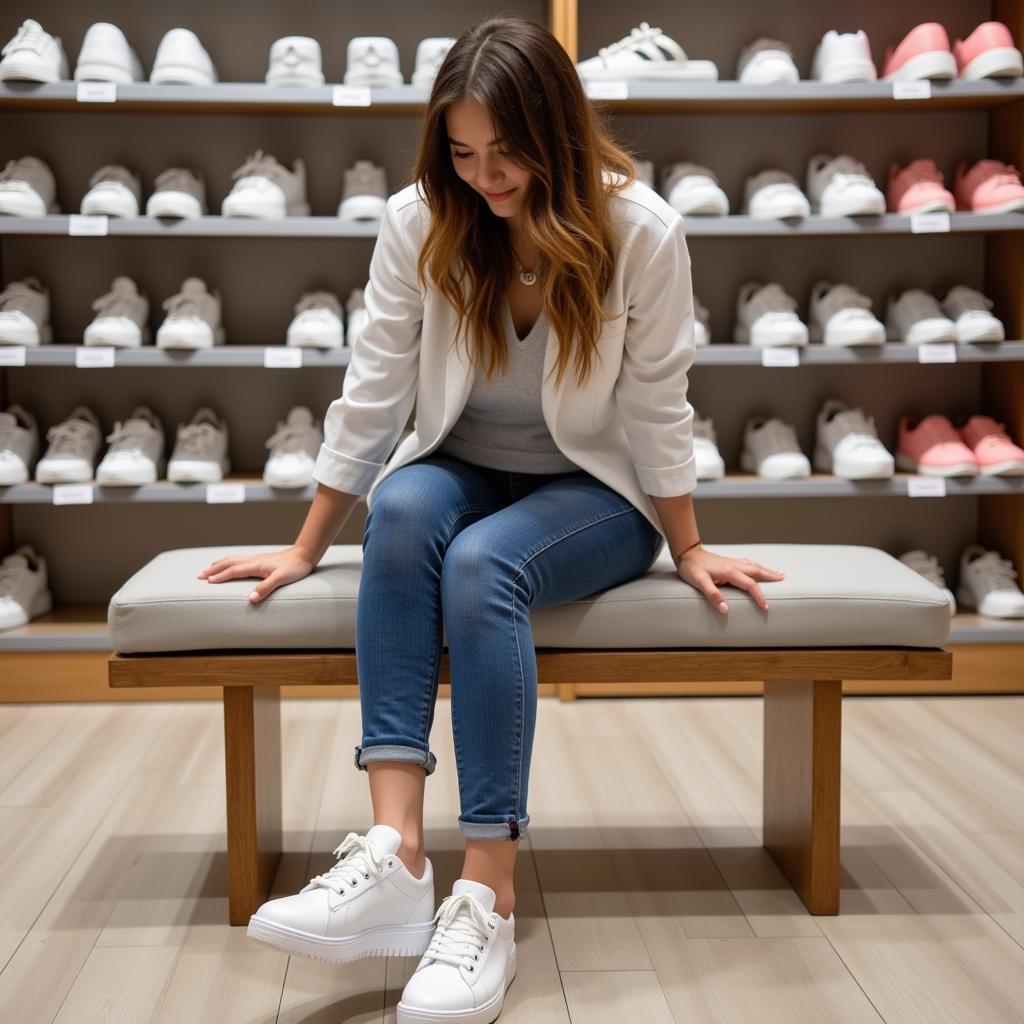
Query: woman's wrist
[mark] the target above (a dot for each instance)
(675, 558)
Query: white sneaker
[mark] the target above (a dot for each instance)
(136, 451)
(73, 446)
(365, 193)
(33, 56)
(645, 171)
(469, 964)
(916, 318)
(693, 189)
(701, 324)
(25, 313)
(928, 566)
(844, 57)
(766, 316)
(646, 54)
(841, 315)
(200, 450)
(181, 60)
(986, 584)
(710, 464)
(766, 62)
(970, 312)
(23, 593)
(27, 188)
(293, 450)
(430, 55)
(771, 450)
(372, 60)
(295, 60)
(193, 318)
(263, 188)
(841, 187)
(106, 56)
(847, 444)
(121, 317)
(177, 192)
(774, 194)
(19, 445)
(317, 321)
(357, 316)
(368, 904)
(114, 191)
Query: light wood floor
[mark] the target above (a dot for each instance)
(643, 894)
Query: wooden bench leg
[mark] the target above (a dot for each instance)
(252, 751)
(802, 732)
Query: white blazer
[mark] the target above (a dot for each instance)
(631, 426)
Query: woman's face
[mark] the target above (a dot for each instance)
(480, 159)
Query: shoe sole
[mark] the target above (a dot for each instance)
(388, 940)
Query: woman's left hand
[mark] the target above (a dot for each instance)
(703, 569)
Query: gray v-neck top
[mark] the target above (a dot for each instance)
(502, 425)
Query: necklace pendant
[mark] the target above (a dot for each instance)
(528, 277)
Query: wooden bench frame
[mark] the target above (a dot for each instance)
(803, 690)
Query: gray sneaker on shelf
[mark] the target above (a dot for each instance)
(263, 188)
(23, 593)
(193, 318)
(365, 194)
(114, 191)
(19, 445)
(293, 450)
(430, 55)
(178, 192)
(200, 450)
(317, 321)
(28, 188)
(121, 317)
(135, 455)
(25, 313)
(72, 450)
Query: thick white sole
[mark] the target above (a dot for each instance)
(1003, 62)
(173, 204)
(848, 71)
(189, 471)
(704, 202)
(179, 74)
(391, 81)
(98, 71)
(850, 470)
(691, 71)
(866, 207)
(939, 64)
(965, 599)
(359, 207)
(1010, 206)
(28, 71)
(388, 940)
(1011, 467)
(848, 336)
(109, 478)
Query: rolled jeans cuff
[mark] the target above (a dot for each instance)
(504, 828)
(395, 752)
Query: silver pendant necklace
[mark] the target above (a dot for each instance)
(528, 276)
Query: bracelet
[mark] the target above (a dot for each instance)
(683, 552)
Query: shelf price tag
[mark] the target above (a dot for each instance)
(926, 487)
(90, 357)
(72, 494)
(912, 90)
(96, 92)
(12, 355)
(225, 493)
(80, 224)
(922, 223)
(611, 90)
(780, 355)
(937, 352)
(351, 96)
(282, 357)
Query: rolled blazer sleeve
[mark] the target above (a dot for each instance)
(362, 427)
(659, 349)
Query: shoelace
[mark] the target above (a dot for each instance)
(14, 291)
(767, 44)
(357, 857)
(318, 300)
(11, 574)
(840, 297)
(72, 437)
(117, 302)
(462, 923)
(197, 440)
(927, 565)
(919, 171)
(967, 300)
(642, 33)
(920, 305)
(778, 436)
(129, 436)
(770, 299)
(259, 165)
(114, 172)
(177, 178)
(30, 36)
(995, 571)
(858, 429)
(768, 178)
(294, 437)
(846, 170)
(188, 304)
(936, 430)
(998, 172)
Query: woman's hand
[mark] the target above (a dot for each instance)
(703, 569)
(276, 568)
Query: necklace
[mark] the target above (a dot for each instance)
(528, 276)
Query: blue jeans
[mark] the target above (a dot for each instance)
(468, 549)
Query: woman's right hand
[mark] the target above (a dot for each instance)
(275, 569)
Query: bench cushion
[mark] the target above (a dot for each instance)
(833, 596)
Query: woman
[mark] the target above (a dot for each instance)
(525, 237)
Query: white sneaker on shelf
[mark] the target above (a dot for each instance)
(264, 188)
(27, 188)
(928, 566)
(365, 192)
(25, 313)
(177, 192)
(841, 315)
(693, 189)
(193, 318)
(844, 57)
(701, 324)
(372, 60)
(469, 964)
(986, 584)
(368, 904)
(766, 317)
(295, 60)
(357, 316)
(772, 451)
(136, 451)
(841, 187)
(19, 445)
(767, 62)
(644, 171)
(114, 191)
(293, 450)
(970, 311)
(917, 319)
(106, 56)
(710, 464)
(23, 593)
(121, 317)
(33, 56)
(73, 447)
(847, 445)
(181, 60)
(200, 450)
(646, 54)
(317, 321)
(774, 194)
(430, 55)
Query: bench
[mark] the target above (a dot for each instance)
(843, 612)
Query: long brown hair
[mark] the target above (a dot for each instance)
(524, 78)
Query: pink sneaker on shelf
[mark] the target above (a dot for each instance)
(990, 186)
(933, 448)
(994, 452)
(918, 188)
(988, 52)
(924, 53)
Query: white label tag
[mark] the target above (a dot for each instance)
(937, 352)
(912, 90)
(79, 224)
(12, 355)
(926, 487)
(351, 96)
(927, 222)
(96, 92)
(781, 355)
(612, 90)
(282, 357)
(72, 494)
(222, 494)
(90, 357)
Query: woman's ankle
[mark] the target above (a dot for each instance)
(414, 858)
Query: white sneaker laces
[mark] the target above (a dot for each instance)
(72, 437)
(30, 36)
(357, 857)
(996, 572)
(463, 928)
(641, 34)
